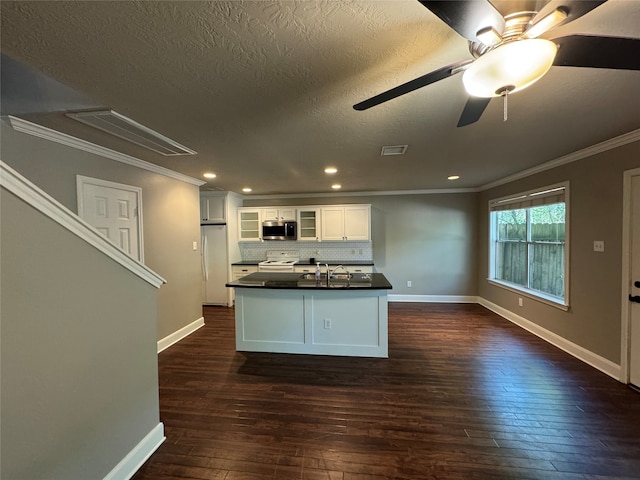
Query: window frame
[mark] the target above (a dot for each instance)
(562, 303)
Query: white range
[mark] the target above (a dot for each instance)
(279, 261)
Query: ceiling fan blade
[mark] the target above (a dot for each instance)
(412, 85)
(598, 52)
(467, 18)
(573, 8)
(473, 110)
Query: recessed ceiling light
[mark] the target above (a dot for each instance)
(336, 186)
(453, 177)
(246, 189)
(209, 175)
(393, 150)
(330, 170)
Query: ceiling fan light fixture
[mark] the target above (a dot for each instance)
(489, 36)
(554, 19)
(518, 63)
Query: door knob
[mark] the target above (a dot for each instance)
(635, 299)
(636, 284)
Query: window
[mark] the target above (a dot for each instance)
(528, 243)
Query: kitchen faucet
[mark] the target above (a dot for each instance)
(331, 272)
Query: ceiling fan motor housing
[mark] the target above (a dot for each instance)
(515, 25)
(513, 64)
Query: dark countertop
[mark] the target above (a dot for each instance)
(297, 281)
(306, 262)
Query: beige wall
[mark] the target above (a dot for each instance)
(79, 381)
(429, 239)
(594, 318)
(170, 212)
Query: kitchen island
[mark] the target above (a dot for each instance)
(344, 314)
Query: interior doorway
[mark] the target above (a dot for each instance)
(631, 279)
(115, 210)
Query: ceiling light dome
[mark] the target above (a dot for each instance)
(509, 67)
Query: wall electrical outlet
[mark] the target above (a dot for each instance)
(327, 323)
(409, 284)
(520, 302)
(598, 245)
(195, 246)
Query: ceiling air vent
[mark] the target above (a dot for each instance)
(393, 150)
(125, 128)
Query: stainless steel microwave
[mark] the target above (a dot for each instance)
(279, 230)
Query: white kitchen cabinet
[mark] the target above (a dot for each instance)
(212, 208)
(239, 271)
(359, 268)
(345, 322)
(308, 224)
(346, 223)
(286, 213)
(249, 225)
(309, 268)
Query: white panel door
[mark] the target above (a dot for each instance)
(114, 210)
(634, 358)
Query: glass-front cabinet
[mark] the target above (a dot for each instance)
(249, 225)
(308, 224)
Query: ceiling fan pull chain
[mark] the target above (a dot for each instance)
(504, 92)
(506, 105)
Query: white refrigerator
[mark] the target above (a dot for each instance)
(215, 265)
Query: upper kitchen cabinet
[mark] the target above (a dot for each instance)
(286, 213)
(346, 223)
(212, 208)
(249, 225)
(309, 224)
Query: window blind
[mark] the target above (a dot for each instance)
(527, 200)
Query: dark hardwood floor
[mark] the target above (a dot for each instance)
(464, 394)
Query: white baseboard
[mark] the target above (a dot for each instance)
(581, 353)
(178, 335)
(130, 464)
(433, 298)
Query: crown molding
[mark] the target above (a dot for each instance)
(601, 147)
(434, 191)
(22, 188)
(30, 128)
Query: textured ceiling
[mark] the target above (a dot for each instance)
(263, 90)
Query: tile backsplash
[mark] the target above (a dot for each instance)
(340, 251)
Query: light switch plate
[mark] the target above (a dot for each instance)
(598, 245)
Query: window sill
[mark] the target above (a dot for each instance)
(540, 297)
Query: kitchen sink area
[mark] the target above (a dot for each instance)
(336, 280)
